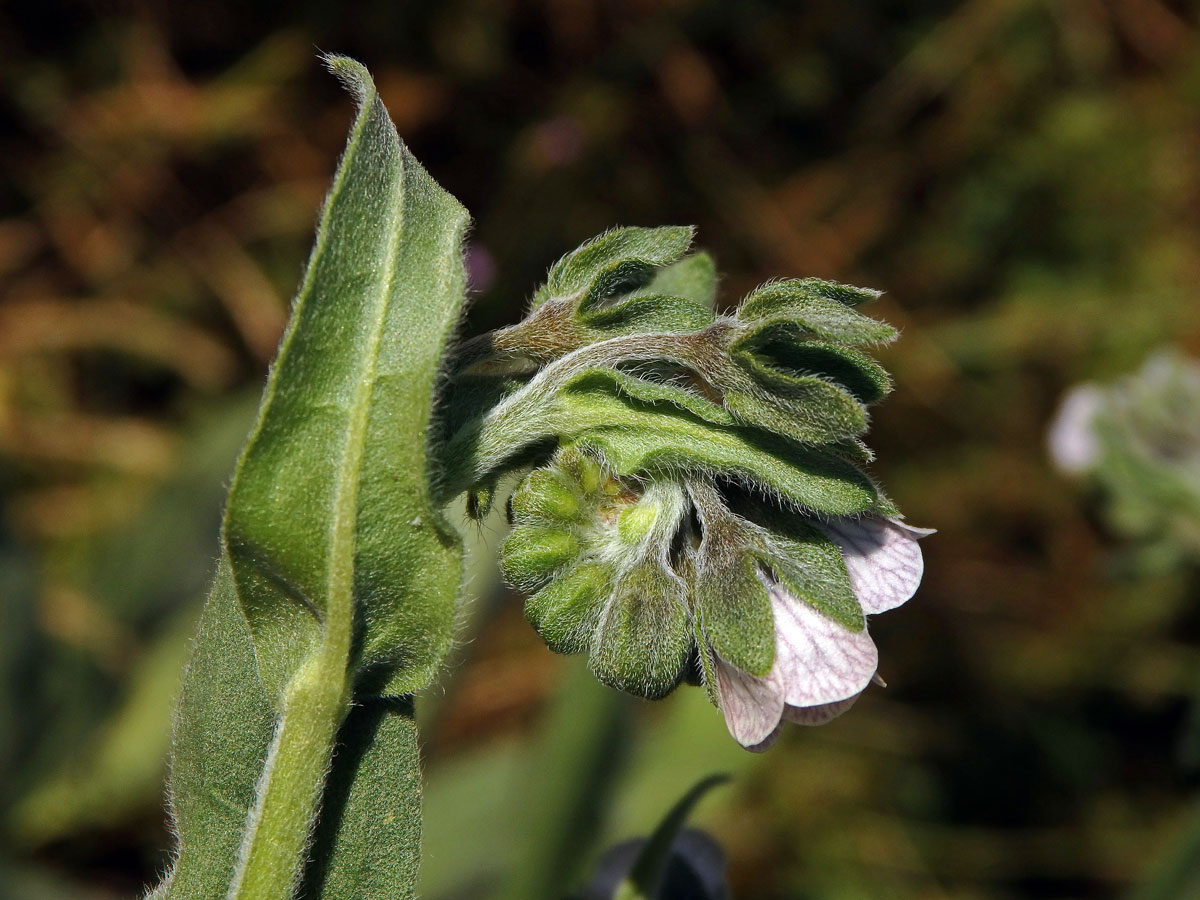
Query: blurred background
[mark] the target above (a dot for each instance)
(1021, 176)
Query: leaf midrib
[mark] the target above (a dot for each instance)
(340, 608)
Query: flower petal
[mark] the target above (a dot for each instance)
(817, 660)
(767, 742)
(818, 715)
(752, 706)
(882, 557)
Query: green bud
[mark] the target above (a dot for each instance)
(584, 469)
(566, 611)
(644, 637)
(635, 522)
(532, 554)
(617, 599)
(546, 495)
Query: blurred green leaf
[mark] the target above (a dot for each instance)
(567, 783)
(1177, 876)
(122, 770)
(142, 573)
(645, 879)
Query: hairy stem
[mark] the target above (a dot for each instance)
(289, 790)
(483, 443)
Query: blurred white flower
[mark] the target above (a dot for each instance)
(1072, 440)
(821, 666)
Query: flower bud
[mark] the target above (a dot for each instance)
(546, 495)
(532, 554)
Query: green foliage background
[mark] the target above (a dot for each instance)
(1021, 177)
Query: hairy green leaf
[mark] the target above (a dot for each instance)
(637, 439)
(821, 307)
(647, 427)
(223, 725)
(367, 838)
(694, 278)
(340, 577)
(648, 313)
(621, 257)
(785, 363)
(332, 493)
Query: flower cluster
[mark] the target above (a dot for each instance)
(1137, 440)
(696, 508)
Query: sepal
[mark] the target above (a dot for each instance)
(642, 641)
(622, 258)
(827, 305)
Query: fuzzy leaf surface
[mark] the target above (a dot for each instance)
(619, 257)
(223, 725)
(821, 307)
(368, 837)
(368, 834)
(651, 428)
(291, 776)
(334, 483)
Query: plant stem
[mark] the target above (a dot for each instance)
(315, 704)
(289, 791)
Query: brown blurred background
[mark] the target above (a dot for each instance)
(1021, 176)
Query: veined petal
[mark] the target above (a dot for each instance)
(752, 706)
(818, 715)
(817, 660)
(882, 557)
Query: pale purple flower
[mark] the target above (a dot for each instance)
(821, 666)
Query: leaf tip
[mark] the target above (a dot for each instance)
(353, 75)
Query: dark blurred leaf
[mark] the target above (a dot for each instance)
(1177, 877)
(647, 879)
(694, 871)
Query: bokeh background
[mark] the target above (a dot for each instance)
(1021, 176)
